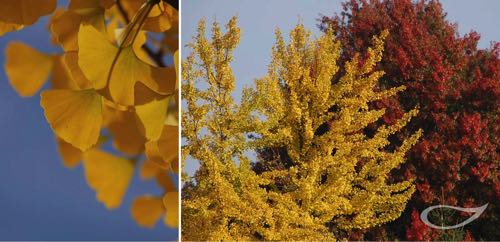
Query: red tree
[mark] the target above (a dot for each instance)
(456, 86)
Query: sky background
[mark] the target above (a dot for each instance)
(40, 199)
(258, 20)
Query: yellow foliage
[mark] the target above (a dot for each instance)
(74, 115)
(9, 27)
(108, 175)
(335, 180)
(25, 12)
(20, 59)
(109, 85)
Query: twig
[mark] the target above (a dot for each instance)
(157, 58)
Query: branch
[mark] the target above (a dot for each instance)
(173, 3)
(156, 57)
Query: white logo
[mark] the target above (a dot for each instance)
(477, 212)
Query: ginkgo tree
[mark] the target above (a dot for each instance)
(335, 179)
(110, 83)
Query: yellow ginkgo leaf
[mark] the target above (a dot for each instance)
(151, 117)
(126, 135)
(8, 27)
(74, 115)
(164, 151)
(161, 19)
(119, 69)
(147, 210)
(153, 154)
(169, 142)
(91, 11)
(165, 181)
(27, 68)
(108, 175)
(71, 61)
(107, 3)
(171, 203)
(70, 155)
(25, 12)
(64, 28)
(149, 170)
(61, 75)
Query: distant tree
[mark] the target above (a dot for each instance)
(334, 182)
(456, 86)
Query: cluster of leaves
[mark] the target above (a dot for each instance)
(109, 84)
(334, 182)
(456, 86)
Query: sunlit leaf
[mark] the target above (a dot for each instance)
(126, 136)
(108, 175)
(164, 151)
(25, 12)
(149, 170)
(70, 155)
(27, 68)
(75, 116)
(151, 116)
(147, 210)
(8, 27)
(171, 203)
(98, 63)
(61, 75)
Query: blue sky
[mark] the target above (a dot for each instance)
(39, 198)
(258, 19)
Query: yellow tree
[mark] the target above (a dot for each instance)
(335, 180)
(110, 76)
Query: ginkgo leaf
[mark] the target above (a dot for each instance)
(9, 27)
(147, 210)
(161, 20)
(149, 170)
(165, 181)
(61, 75)
(74, 115)
(25, 12)
(27, 68)
(123, 127)
(70, 155)
(91, 11)
(151, 117)
(108, 175)
(64, 28)
(169, 142)
(171, 203)
(164, 151)
(153, 154)
(119, 69)
(65, 24)
(140, 40)
(71, 61)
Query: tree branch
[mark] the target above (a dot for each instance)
(156, 57)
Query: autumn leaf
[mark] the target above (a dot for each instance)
(147, 210)
(107, 66)
(27, 68)
(70, 155)
(25, 12)
(8, 27)
(171, 203)
(74, 115)
(108, 175)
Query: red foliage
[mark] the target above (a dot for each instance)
(455, 85)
